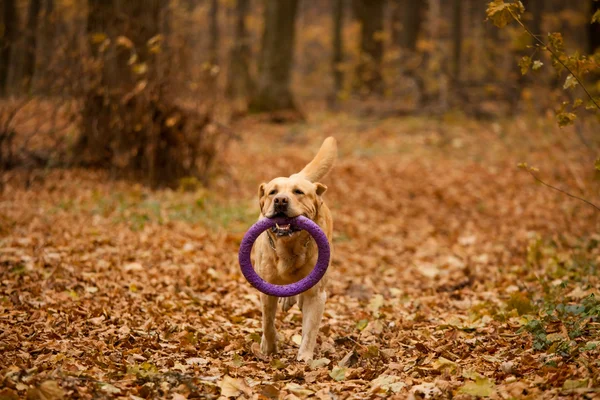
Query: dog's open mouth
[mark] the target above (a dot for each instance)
(284, 230)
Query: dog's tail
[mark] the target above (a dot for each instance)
(322, 163)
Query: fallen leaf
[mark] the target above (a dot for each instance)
(298, 390)
(375, 304)
(97, 320)
(255, 348)
(443, 363)
(278, 364)
(8, 394)
(428, 270)
(572, 384)
(482, 387)
(232, 387)
(134, 266)
(196, 360)
(297, 339)
(426, 391)
(362, 324)
(110, 389)
(270, 392)
(50, 390)
(387, 383)
(338, 373)
(321, 362)
(349, 359)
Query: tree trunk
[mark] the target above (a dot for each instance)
(128, 123)
(368, 72)
(457, 36)
(239, 80)
(46, 44)
(407, 17)
(436, 56)
(7, 42)
(537, 13)
(593, 29)
(213, 47)
(338, 48)
(276, 58)
(493, 40)
(212, 72)
(107, 113)
(31, 43)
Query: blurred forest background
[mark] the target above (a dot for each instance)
(134, 135)
(149, 88)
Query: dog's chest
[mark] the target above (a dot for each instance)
(294, 266)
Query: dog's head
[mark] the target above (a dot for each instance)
(288, 198)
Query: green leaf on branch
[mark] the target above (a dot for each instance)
(124, 41)
(556, 43)
(565, 118)
(140, 68)
(590, 104)
(596, 17)
(525, 64)
(527, 167)
(537, 64)
(502, 13)
(570, 82)
(98, 37)
(597, 164)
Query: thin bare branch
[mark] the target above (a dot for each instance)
(540, 41)
(561, 191)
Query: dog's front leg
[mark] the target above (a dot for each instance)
(268, 343)
(313, 305)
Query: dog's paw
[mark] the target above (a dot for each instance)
(287, 303)
(305, 356)
(268, 347)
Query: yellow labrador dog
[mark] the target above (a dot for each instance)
(283, 255)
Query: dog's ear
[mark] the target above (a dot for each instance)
(320, 188)
(261, 194)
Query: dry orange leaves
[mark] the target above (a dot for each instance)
(453, 276)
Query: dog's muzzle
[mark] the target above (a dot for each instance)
(284, 230)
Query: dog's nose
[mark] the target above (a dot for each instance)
(281, 203)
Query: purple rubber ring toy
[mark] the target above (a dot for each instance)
(294, 288)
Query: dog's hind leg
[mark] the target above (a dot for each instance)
(313, 305)
(268, 343)
(288, 302)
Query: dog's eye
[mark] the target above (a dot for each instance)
(298, 191)
(272, 192)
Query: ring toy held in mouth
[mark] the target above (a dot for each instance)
(294, 288)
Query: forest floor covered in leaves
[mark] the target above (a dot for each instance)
(455, 274)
